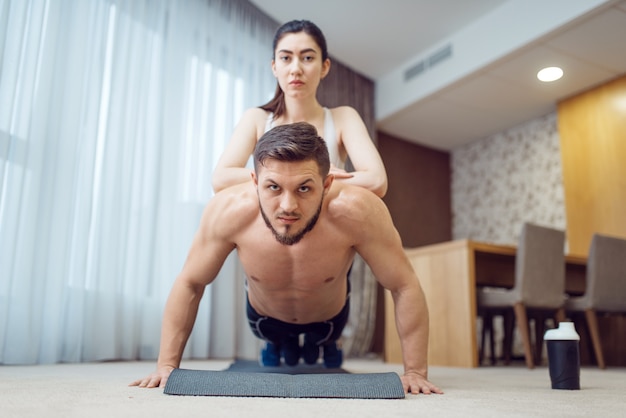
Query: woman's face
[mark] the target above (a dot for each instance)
(298, 65)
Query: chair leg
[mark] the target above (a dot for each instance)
(560, 316)
(507, 343)
(492, 346)
(539, 329)
(522, 324)
(481, 350)
(592, 324)
(487, 329)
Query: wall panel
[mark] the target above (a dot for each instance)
(592, 128)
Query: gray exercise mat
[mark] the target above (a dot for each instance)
(284, 385)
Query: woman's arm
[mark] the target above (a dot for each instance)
(369, 168)
(230, 168)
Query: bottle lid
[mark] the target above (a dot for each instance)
(565, 331)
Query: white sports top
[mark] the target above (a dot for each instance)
(329, 136)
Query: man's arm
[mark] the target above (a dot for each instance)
(411, 315)
(178, 319)
(381, 247)
(209, 249)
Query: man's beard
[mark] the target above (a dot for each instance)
(292, 239)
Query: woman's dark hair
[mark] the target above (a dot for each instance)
(292, 142)
(277, 104)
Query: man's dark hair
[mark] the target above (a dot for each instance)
(290, 143)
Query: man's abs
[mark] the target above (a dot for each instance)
(298, 304)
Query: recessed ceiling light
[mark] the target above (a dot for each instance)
(550, 74)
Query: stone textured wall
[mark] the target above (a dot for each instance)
(502, 181)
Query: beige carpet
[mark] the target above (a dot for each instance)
(100, 390)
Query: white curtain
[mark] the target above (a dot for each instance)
(112, 116)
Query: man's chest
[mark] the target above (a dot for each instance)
(309, 263)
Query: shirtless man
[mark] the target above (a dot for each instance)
(296, 233)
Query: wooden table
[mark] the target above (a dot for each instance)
(449, 274)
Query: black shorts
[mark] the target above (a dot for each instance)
(276, 331)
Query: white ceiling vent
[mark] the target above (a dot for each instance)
(435, 58)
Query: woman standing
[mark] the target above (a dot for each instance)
(300, 63)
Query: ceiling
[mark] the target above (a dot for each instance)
(497, 46)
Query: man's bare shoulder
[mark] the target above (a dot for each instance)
(353, 205)
(239, 199)
(232, 208)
